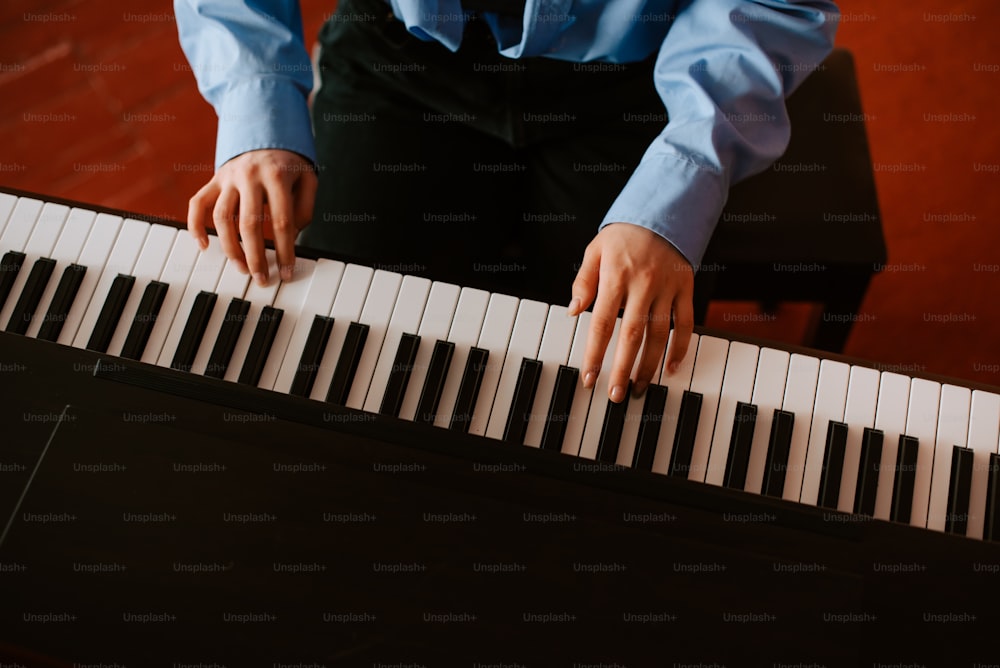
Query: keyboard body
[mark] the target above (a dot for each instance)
(156, 517)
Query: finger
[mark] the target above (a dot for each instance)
(305, 198)
(279, 200)
(252, 230)
(200, 212)
(602, 325)
(683, 326)
(630, 336)
(587, 279)
(224, 219)
(657, 333)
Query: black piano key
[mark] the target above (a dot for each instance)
(260, 345)
(611, 429)
(524, 398)
(437, 371)
(111, 313)
(738, 458)
(833, 465)
(867, 486)
(687, 427)
(904, 479)
(194, 330)
(229, 334)
(10, 266)
(145, 319)
(399, 377)
(559, 405)
(312, 354)
(28, 300)
(649, 428)
(62, 301)
(991, 525)
(959, 488)
(468, 390)
(779, 444)
(347, 363)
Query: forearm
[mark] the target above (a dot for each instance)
(723, 73)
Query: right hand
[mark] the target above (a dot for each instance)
(269, 192)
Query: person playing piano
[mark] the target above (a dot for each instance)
(491, 139)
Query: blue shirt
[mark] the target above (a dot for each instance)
(723, 70)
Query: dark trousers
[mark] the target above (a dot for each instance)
(469, 167)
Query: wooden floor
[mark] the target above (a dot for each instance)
(97, 103)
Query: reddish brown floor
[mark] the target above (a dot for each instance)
(98, 104)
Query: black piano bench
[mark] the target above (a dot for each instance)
(807, 229)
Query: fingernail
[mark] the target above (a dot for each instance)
(260, 278)
(286, 273)
(203, 243)
(617, 393)
(588, 379)
(574, 306)
(672, 368)
(639, 387)
(242, 266)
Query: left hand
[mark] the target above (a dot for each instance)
(630, 267)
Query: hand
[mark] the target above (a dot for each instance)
(258, 194)
(631, 267)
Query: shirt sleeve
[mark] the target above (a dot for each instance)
(723, 73)
(251, 65)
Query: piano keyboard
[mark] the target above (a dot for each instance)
(794, 426)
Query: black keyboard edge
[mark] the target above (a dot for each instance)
(420, 437)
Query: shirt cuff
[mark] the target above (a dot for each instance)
(676, 198)
(263, 113)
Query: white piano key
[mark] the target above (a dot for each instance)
(405, 319)
(466, 327)
(984, 429)
(176, 273)
(347, 308)
(204, 277)
(435, 323)
(799, 398)
(552, 352)
(737, 385)
(148, 267)
(633, 420)
(323, 287)
(524, 342)
(495, 337)
(259, 297)
(127, 245)
(7, 203)
(599, 399)
(20, 224)
(94, 255)
(768, 393)
(921, 423)
(576, 421)
(890, 417)
(232, 284)
(709, 369)
(70, 244)
(952, 429)
(44, 232)
(676, 385)
(831, 401)
(376, 313)
(862, 396)
(290, 299)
